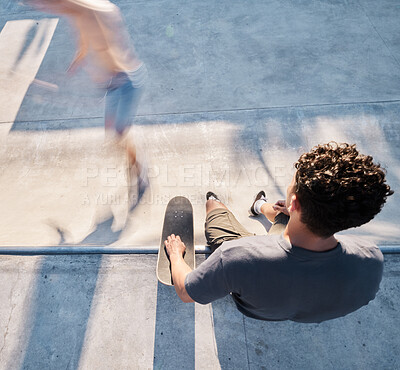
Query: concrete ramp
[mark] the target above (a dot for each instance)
(236, 92)
(60, 183)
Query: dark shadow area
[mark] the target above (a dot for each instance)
(60, 311)
(30, 36)
(230, 335)
(174, 342)
(61, 304)
(102, 235)
(55, 125)
(263, 221)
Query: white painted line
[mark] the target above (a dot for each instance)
(46, 85)
(23, 45)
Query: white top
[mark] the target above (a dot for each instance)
(102, 34)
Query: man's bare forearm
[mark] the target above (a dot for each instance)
(179, 271)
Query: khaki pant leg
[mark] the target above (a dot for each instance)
(221, 225)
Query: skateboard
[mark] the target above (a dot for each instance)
(178, 220)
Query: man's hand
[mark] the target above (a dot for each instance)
(280, 206)
(179, 268)
(174, 246)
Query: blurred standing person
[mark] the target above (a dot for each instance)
(106, 47)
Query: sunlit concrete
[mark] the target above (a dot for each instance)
(236, 92)
(69, 185)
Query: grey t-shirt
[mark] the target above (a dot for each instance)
(269, 279)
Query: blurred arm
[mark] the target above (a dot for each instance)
(83, 45)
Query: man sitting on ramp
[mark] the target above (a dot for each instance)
(300, 271)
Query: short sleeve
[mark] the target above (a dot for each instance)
(207, 282)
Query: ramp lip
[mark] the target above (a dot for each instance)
(86, 249)
(102, 249)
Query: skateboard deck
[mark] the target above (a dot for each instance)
(178, 220)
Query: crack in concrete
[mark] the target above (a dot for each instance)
(380, 36)
(11, 313)
(6, 332)
(222, 110)
(247, 343)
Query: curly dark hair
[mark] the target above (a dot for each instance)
(338, 188)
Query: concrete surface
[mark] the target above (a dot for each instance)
(94, 312)
(236, 91)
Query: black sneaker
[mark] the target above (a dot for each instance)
(212, 195)
(260, 195)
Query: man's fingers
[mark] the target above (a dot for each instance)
(171, 238)
(174, 237)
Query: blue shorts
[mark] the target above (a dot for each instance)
(122, 98)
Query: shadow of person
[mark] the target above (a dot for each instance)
(174, 337)
(263, 221)
(102, 235)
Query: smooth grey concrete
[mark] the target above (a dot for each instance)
(110, 313)
(206, 56)
(236, 91)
